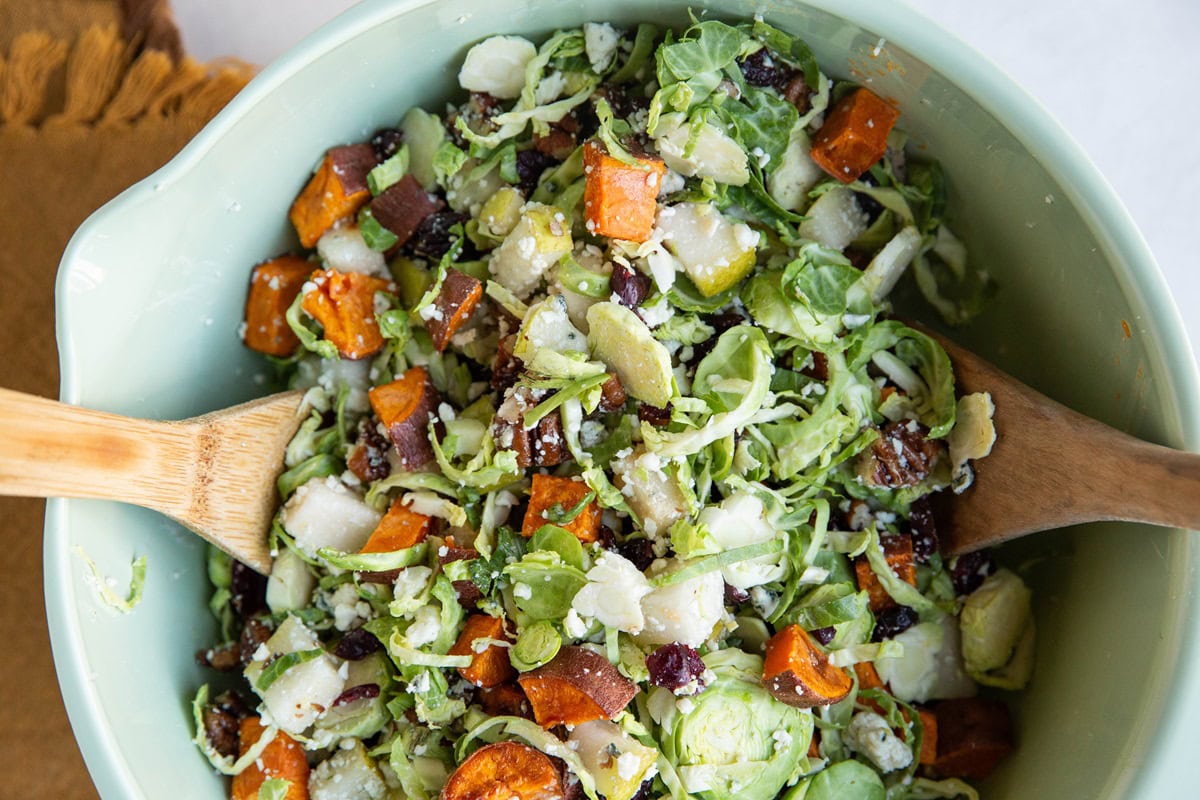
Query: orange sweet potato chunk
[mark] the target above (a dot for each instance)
(578, 685)
(400, 528)
(899, 553)
(337, 190)
(929, 736)
(283, 758)
(549, 491)
(274, 285)
(796, 672)
(974, 734)
(620, 198)
(344, 304)
(507, 699)
(854, 135)
(404, 406)
(505, 771)
(491, 666)
(453, 306)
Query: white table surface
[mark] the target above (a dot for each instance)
(1125, 84)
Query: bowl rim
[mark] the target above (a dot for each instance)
(989, 85)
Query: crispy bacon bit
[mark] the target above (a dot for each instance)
(368, 459)
(903, 455)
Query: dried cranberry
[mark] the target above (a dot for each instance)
(369, 458)
(659, 417)
(924, 531)
(248, 591)
(892, 621)
(643, 792)
(759, 69)
(735, 596)
(640, 552)
(970, 569)
(607, 538)
(823, 635)
(364, 691)
(386, 142)
(629, 285)
(719, 323)
(357, 645)
(674, 666)
(432, 237)
(869, 205)
(530, 166)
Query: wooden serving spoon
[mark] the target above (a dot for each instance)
(214, 474)
(1051, 467)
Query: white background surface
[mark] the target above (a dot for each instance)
(1120, 76)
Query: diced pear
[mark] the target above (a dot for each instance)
(714, 155)
(497, 66)
(617, 761)
(469, 196)
(289, 588)
(796, 173)
(540, 238)
(302, 693)
(324, 513)
(620, 339)
(715, 252)
(423, 133)
(349, 774)
(834, 219)
(684, 612)
(345, 250)
(651, 493)
(501, 213)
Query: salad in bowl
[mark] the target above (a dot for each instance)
(616, 472)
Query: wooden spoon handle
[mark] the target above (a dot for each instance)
(50, 449)
(1149, 483)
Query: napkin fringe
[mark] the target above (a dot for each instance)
(100, 79)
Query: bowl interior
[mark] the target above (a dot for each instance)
(151, 293)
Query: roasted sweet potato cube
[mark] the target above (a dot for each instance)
(796, 672)
(929, 736)
(505, 771)
(404, 406)
(453, 306)
(899, 553)
(400, 528)
(344, 304)
(489, 666)
(974, 733)
(578, 685)
(854, 135)
(403, 206)
(274, 285)
(549, 492)
(337, 190)
(619, 198)
(507, 699)
(283, 758)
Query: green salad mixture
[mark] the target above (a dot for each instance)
(615, 475)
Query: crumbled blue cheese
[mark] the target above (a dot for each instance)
(600, 43)
(425, 626)
(497, 66)
(869, 734)
(613, 593)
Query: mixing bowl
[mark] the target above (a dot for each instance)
(151, 290)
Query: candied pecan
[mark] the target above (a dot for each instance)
(902, 456)
(819, 371)
(222, 723)
(223, 658)
(797, 92)
(368, 458)
(560, 141)
(468, 594)
(549, 444)
(612, 394)
(254, 633)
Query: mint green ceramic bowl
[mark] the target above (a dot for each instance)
(150, 296)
